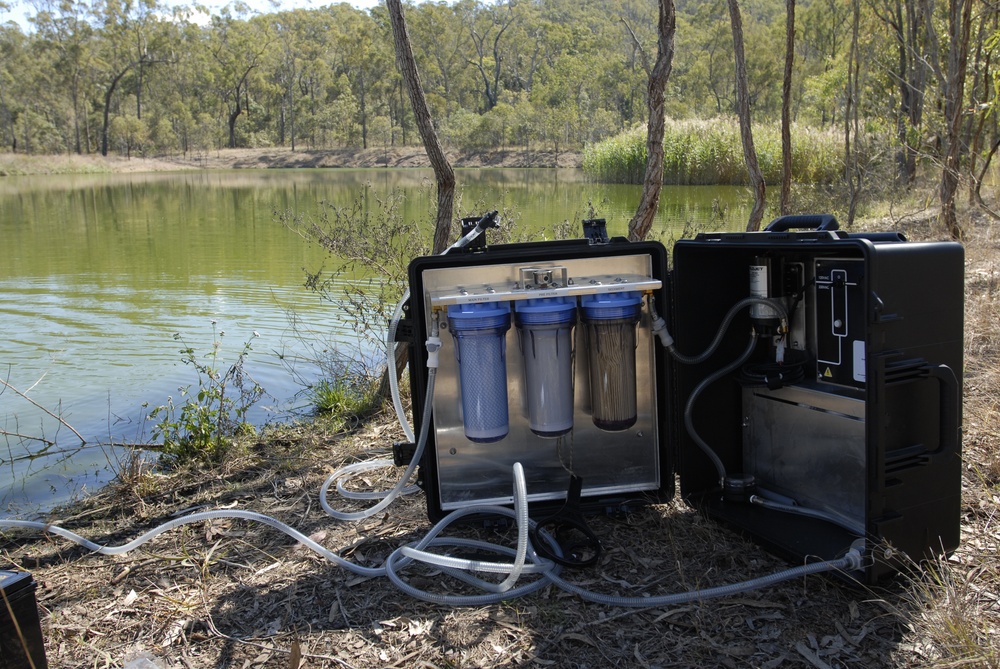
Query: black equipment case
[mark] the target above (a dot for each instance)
(822, 412)
(21, 645)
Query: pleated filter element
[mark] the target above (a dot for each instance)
(610, 321)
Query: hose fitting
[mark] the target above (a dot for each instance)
(433, 347)
(659, 326)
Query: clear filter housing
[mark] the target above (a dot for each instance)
(610, 320)
(545, 329)
(479, 331)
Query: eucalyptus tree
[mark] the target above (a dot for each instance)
(852, 163)
(441, 46)
(185, 96)
(907, 22)
(66, 41)
(785, 205)
(658, 73)
(743, 112)
(533, 41)
(823, 37)
(237, 47)
(299, 64)
(13, 94)
(983, 126)
(487, 25)
(130, 42)
(365, 57)
(704, 79)
(286, 71)
(951, 72)
(443, 172)
(625, 74)
(395, 106)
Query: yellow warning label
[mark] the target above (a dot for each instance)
(828, 374)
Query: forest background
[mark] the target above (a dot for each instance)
(139, 77)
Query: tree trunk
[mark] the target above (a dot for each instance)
(443, 172)
(977, 195)
(786, 109)
(107, 107)
(743, 110)
(231, 121)
(959, 23)
(852, 167)
(640, 224)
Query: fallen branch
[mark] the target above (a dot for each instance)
(48, 443)
(35, 404)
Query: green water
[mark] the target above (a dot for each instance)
(98, 273)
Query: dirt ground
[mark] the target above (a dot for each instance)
(238, 594)
(411, 156)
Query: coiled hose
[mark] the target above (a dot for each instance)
(525, 561)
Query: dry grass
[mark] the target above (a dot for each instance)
(234, 594)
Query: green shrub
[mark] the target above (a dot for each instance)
(206, 419)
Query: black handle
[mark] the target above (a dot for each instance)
(576, 545)
(810, 221)
(951, 402)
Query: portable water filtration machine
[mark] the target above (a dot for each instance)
(801, 383)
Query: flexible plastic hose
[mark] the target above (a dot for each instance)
(726, 322)
(347, 472)
(834, 518)
(513, 569)
(689, 407)
(401, 484)
(390, 352)
(849, 562)
(549, 572)
(194, 518)
(398, 560)
(391, 569)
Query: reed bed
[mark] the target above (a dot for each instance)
(700, 152)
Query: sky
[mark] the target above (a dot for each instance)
(21, 9)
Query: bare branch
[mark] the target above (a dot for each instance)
(637, 44)
(35, 404)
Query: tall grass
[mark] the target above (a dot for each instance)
(710, 152)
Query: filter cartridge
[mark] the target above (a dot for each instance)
(610, 321)
(479, 331)
(545, 329)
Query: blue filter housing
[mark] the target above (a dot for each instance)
(480, 333)
(545, 328)
(610, 320)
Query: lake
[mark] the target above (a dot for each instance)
(101, 273)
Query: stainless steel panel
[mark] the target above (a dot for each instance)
(808, 445)
(608, 462)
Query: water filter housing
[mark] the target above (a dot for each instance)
(842, 428)
(549, 396)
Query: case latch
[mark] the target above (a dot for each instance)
(403, 452)
(595, 230)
